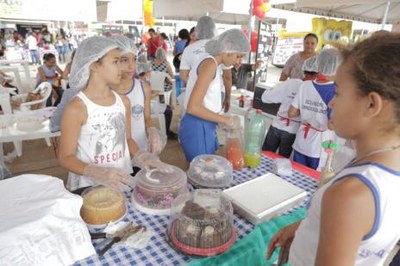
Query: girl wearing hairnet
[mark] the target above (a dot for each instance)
(282, 133)
(139, 94)
(197, 130)
(96, 144)
(311, 104)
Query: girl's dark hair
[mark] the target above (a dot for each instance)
(191, 31)
(48, 56)
(311, 35)
(164, 36)
(184, 34)
(375, 66)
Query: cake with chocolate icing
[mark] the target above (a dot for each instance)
(201, 227)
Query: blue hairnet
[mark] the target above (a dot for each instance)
(160, 53)
(142, 68)
(328, 61)
(125, 44)
(231, 41)
(205, 28)
(142, 58)
(89, 51)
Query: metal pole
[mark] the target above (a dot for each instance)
(385, 15)
(250, 27)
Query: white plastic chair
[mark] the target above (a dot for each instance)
(157, 83)
(45, 90)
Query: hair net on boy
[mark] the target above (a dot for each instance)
(231, 41)
(205, 28)
(328, 61)
(160, 53)
(310, 64)
(125, 44)
(89, 51)
(142, 68)
(142, 58)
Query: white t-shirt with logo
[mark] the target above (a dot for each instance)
(284, 93)
(312, 100)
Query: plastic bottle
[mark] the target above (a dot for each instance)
(241, 101)
(254, 137)
(234, 148)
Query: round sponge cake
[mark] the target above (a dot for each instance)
(102, 205)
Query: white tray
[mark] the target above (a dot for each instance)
(264, 197)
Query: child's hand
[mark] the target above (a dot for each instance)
(282, 239)
(108, 176)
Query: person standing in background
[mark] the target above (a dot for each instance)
(33, 48)
(292, 68)
(152, 44)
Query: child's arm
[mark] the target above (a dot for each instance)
(74, 117)
(156, 140)
(195, 106)
(59, 70)
(347, 215)
(293, 111)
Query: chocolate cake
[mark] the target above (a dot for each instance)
(200, 227)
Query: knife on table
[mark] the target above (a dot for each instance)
(120, 235)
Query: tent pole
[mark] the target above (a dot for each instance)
(385, 15)
(250, 27)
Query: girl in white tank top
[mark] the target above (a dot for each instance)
(96, 144)
(354, 219)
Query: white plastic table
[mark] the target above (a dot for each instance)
(23, 63)
(12, 134)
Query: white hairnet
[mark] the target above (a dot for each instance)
(310, 64)
(125, 44)
(160, 53)
(205, 28)
(142, 58)
(89, 51)
(328, 61)
(231, 41)
(142, 68)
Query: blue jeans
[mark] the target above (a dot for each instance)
(59, 92)
(311, 162)
(35, 57)
(281, 139)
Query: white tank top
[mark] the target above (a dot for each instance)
(213, 99)
(138, 128)
(102, 139)
(384, 183)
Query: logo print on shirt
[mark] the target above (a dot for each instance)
(137, 111)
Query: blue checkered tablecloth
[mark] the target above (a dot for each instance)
(159, 252)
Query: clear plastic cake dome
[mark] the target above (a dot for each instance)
(211, 171)
(155, 190)
(201, 223)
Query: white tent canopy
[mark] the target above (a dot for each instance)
(372, 11)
